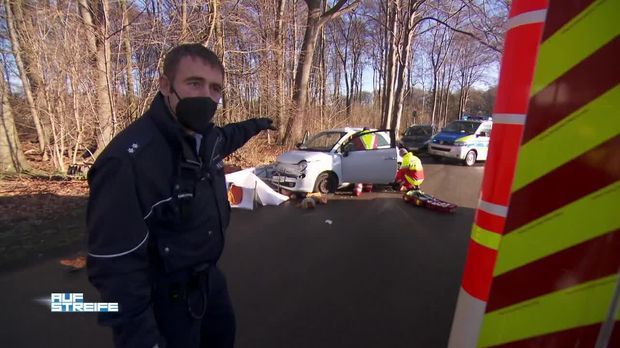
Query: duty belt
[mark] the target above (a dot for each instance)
(198, 282)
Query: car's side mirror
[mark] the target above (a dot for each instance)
(481, 134)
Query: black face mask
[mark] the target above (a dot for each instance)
(195, 113)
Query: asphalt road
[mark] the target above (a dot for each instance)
(357, 272)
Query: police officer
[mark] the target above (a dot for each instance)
(158, 211)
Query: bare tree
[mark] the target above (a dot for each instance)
(280, 65)
(315, 21)
(11, 156)
(348, 35)
(438, 53)
(472, 61)
(91, 66)
(401, 21)
(487, 19)
(94, 14)
(28, 79)
(409, 19)
(128, 56)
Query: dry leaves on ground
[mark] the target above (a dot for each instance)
(28, 198)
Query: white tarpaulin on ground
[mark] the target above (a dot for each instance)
(245, 188)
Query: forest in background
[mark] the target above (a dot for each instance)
(75, 73)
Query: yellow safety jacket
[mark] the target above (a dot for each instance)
(365, 141)
(411, 169)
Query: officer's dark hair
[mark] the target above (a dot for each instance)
(174, 56)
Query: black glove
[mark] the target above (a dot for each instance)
(265, 123)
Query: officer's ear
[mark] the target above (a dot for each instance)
(165, 85)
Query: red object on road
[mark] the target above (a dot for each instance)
(430, 202)
(357, 189)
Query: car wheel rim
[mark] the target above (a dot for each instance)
(470, 158)
(323, 186)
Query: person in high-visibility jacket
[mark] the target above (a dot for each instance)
(365, 140)
(410, 174)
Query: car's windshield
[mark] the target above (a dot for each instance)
(323, 141)
(418, 131)
(462, 127)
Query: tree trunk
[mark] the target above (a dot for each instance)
(324, 69)
(23, 73)
(11, 156)
(446, 104)
(315, 20)
(6, 73)
(378, 73)
(183, 20)
(294, 126)
(77, 116)
(220, 49)
(344, 59)
(465, 99)
(440, 97)
(440, 47)
(56, 148)
(280, 66)
(434, 93)
(461, 106)
(403, 66)
(131, 109)
(295, 60)
(94, 15)
(390, 77)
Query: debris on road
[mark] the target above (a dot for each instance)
(245, 188)
(307, 203)
(75, 264)
(311, 201)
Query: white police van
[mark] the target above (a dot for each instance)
(466, 140)
(331, 159)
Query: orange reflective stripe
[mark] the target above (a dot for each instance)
(420, 174)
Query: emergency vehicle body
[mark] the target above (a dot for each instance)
(466, 140)
(542, 262)
(332, 159)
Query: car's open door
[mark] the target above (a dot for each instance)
(372, 160)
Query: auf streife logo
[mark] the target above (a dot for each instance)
(74, 302)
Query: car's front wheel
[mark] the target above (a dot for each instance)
(325, 183)
(470, 158)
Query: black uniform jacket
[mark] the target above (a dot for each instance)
(157, 206)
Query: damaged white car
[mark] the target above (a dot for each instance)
(334, 158)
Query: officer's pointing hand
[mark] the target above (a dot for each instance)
(265, 123)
